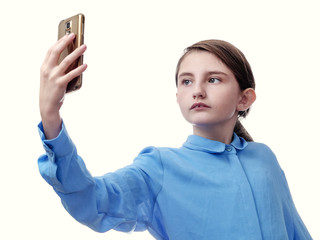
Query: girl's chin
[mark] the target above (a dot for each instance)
(203, 122)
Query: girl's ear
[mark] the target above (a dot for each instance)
(248, 96)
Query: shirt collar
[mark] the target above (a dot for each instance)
(195, 142)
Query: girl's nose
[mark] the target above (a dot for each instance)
(199, 92)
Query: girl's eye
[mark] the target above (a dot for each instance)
(186, 82)
(214, 80)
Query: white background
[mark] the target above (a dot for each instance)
(128, 97)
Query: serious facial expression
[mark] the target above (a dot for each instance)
(208, 93)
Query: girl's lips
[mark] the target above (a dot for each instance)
(199, 106)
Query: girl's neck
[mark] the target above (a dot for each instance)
(220, 134)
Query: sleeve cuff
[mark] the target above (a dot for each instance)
(61, 145)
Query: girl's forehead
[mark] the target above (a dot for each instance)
(202, 60)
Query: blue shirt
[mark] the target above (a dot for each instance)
(203, 190)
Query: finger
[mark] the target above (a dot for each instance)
(72, 57)
(56, 50)
(49, 52)
(74, 73)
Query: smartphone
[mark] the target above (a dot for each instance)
(74, 24)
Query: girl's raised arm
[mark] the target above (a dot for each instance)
(53, 83)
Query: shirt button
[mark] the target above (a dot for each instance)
(229, 149)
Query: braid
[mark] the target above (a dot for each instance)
(242, 132)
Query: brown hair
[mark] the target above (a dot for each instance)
(235, 60)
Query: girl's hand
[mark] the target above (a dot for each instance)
(54, 81)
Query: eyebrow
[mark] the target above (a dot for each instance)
(208, 73)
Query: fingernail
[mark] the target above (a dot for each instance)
(70, 34)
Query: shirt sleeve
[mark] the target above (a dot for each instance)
(122, 200)
(299, 230)
(295, 227)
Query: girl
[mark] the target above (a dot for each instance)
(218, 185)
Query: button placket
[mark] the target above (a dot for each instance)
(247, 197)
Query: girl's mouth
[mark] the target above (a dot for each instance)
(199, 105)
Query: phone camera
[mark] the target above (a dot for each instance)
(68, 25)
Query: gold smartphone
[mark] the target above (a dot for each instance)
(74, 24)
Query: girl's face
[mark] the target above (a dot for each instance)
(208, 93)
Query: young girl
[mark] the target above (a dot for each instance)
(218, 185)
